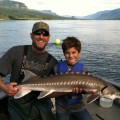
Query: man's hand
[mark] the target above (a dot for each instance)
(9, 88)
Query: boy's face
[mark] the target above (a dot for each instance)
(72, 55)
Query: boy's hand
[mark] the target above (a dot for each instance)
(77, 90)
(80, 90)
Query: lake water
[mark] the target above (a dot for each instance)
(100, 42)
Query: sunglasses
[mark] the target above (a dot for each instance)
(43, 32)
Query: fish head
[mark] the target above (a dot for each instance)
(111, 92)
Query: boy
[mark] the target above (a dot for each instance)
(71, 105)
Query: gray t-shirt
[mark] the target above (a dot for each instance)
(11, 62)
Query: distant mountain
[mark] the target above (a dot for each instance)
(48, 12)
(19, 11)
(105, 15)
(12, 4)
(13, 9)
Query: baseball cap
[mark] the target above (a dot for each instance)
(40, 26)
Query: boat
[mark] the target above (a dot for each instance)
(97, 112)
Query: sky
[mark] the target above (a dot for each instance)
(72, 7)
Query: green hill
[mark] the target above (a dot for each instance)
(20, 14)
(19, 11)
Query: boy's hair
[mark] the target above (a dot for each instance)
(71, 42)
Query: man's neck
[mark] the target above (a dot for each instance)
(38, 51)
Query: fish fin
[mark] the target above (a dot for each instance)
(44, 94)
(91, 97)
(28, 74)
(21, 93)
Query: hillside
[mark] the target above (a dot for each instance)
(105, 15)
(20, 14)
(19, 11)
(12, 4)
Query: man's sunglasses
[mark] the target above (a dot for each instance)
(43, 32)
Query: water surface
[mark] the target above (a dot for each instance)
(100, 42)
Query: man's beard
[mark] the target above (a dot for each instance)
(38, 48)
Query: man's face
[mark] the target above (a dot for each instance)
(40, 40)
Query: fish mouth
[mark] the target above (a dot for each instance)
(111, 97)
(110, 92)
(118, 95)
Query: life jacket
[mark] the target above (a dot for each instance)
(71, 98)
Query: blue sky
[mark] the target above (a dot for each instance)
(72, 7)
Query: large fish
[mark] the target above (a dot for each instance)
(64, 83)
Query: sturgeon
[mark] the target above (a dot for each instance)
(64, 83)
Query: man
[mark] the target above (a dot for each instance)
(35, 59)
